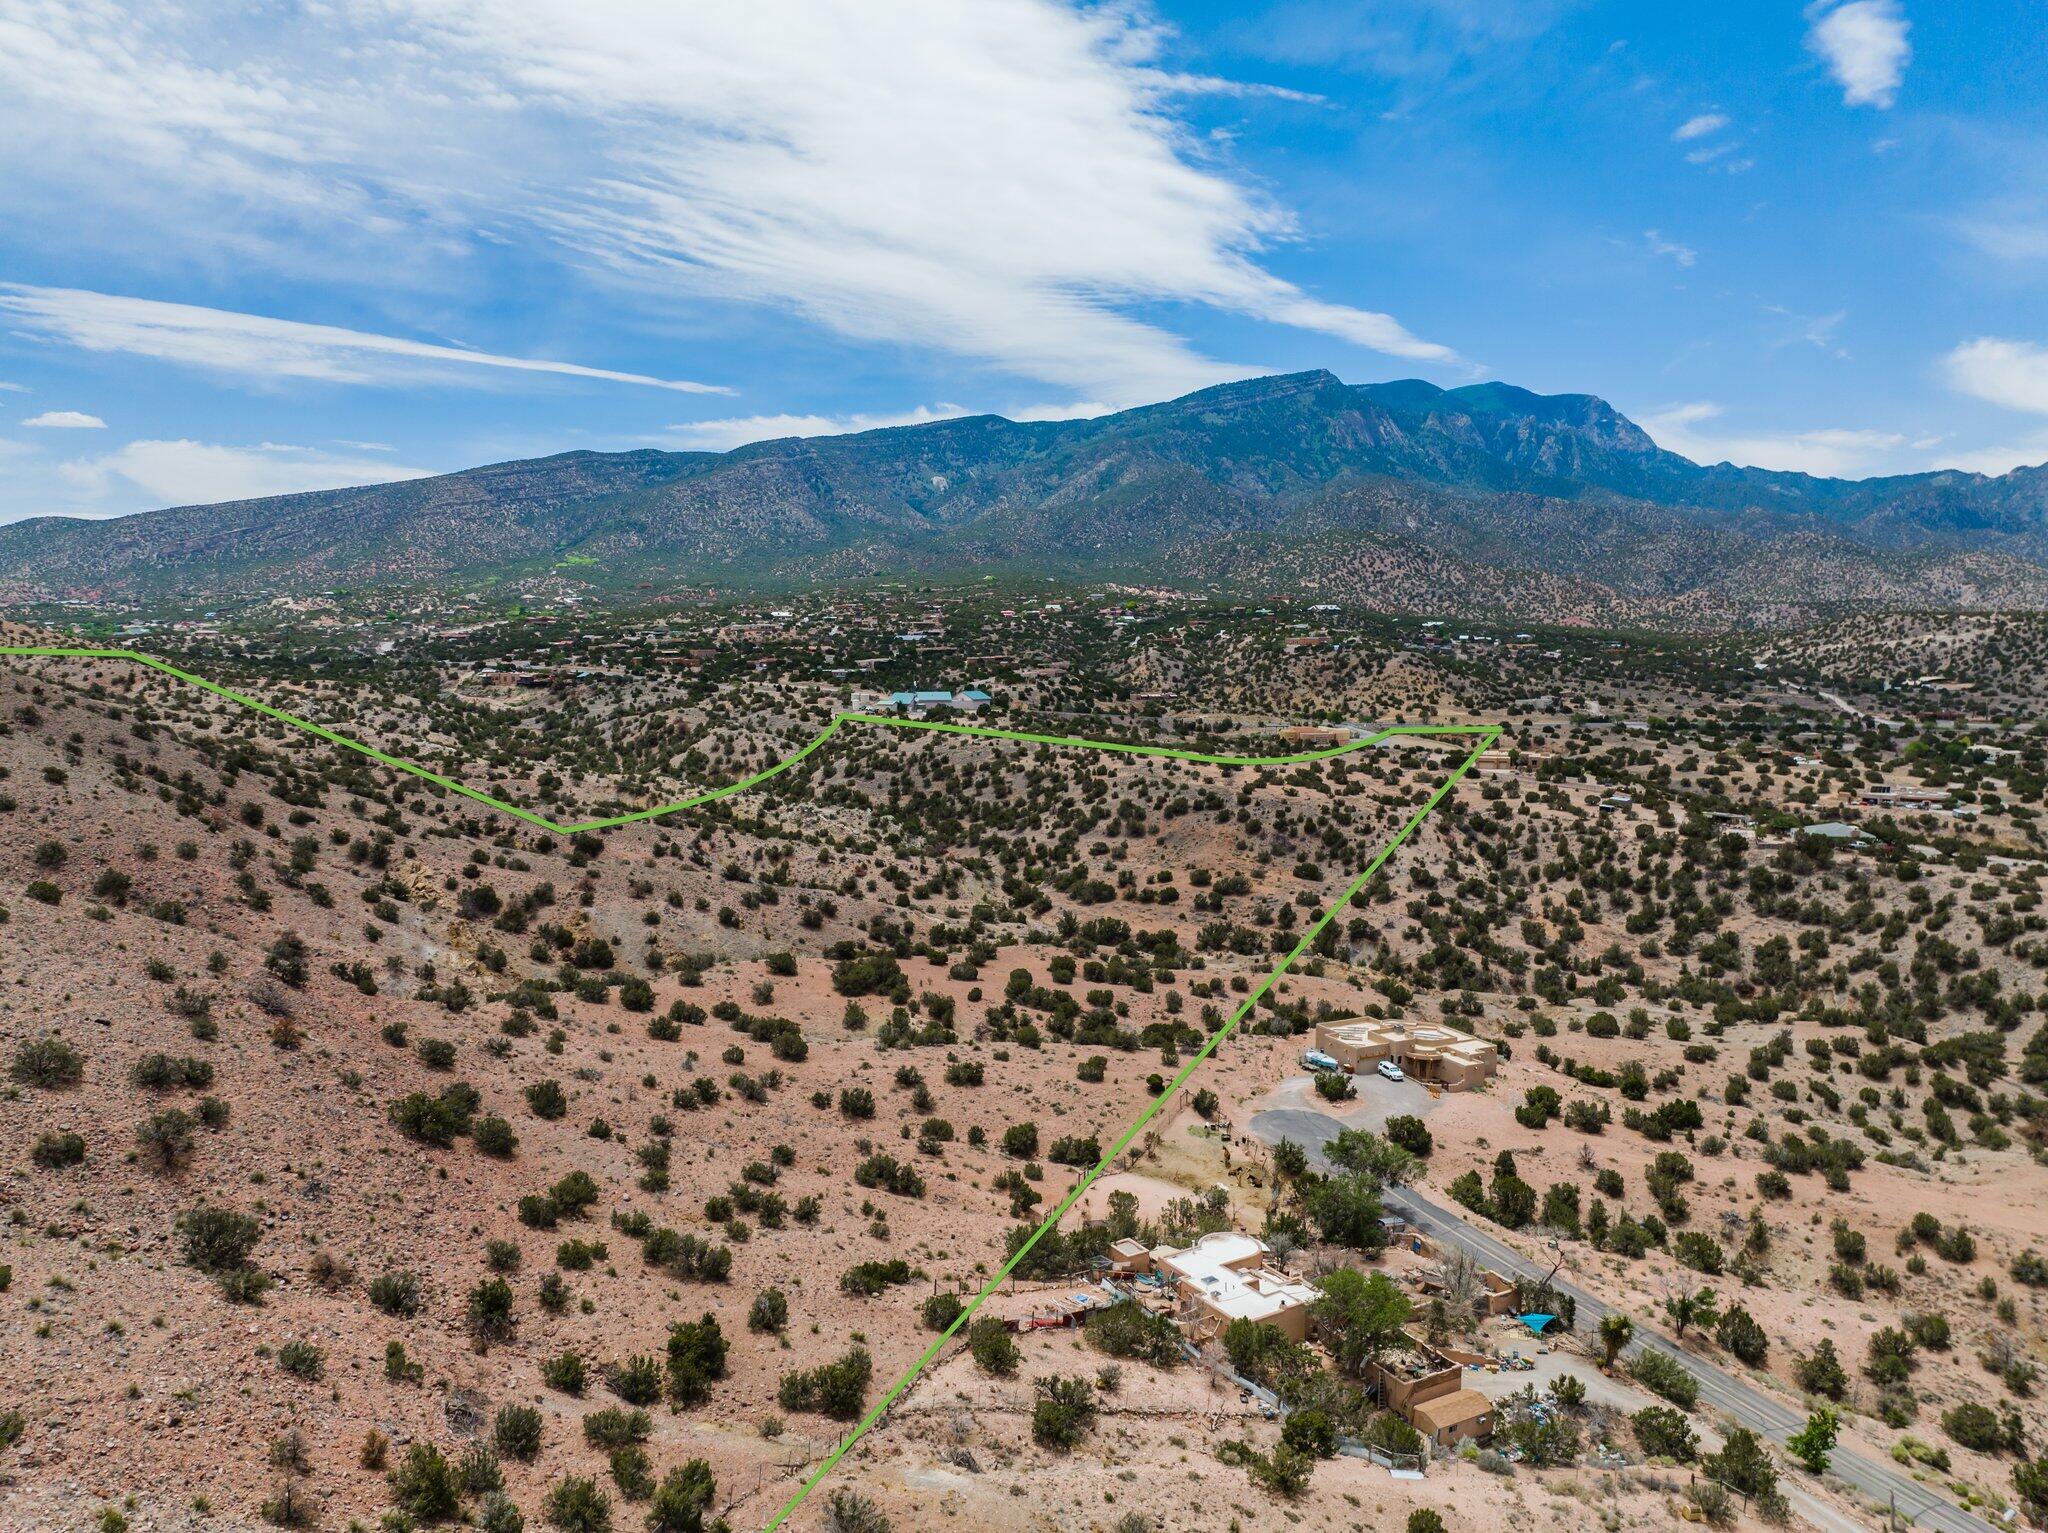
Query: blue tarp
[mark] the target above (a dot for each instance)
(1539, 1323)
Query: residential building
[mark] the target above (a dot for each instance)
(1226, 1276)
(1904, 796)
(1430, 1052)
(1427, 1390)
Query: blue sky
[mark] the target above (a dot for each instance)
(249, 250)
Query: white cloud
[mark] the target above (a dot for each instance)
(1832, 452)
(2025, 453)
(737, 431)
(1006, 181)
(2009, 373)
(67, 420)
(2016, 239)
(1864, 45)
(13, 388)
(1698, 127)
(186, 473)
(259, 347)
(1684, 255)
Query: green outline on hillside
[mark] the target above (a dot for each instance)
(1487, 733)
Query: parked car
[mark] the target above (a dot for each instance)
(1391, 1071)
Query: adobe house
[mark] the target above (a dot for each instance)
(1497, 1296)
(1447, 1420)
(1427, 1390)
(1224, 1276)
(1428, 1051)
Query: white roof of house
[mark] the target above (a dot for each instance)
(1253, 1293)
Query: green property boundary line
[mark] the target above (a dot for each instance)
(1486, 733)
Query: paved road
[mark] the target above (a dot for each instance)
(1724, 1391)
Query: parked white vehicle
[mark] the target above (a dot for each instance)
(1315, 1060)
(1391, 1071)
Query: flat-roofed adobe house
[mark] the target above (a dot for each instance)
(1441, 1056)
(1427, 1390)
(1226, 1276)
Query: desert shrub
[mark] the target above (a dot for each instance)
(836, 1389)
(243, 1285)
(432, 1120)
(546, 1099)
(490, 1310)
(1699, 1251)
(1930, 1331)
(696, 1358)
(866, 1279)
(886, 1172)
(857, 1103)
(1979, 1428)
(166, 1072)
(1128, 1329)
(1820, 1372)
(564, 1371)
(1310, 1432)
(577, 1505)
(769, 1311)
(1713, 1502)
(636, 1380)
(47, 1062)
(496, 1514)
(494, 1136)
(302, 1360)
(516, 1432)
(574, 1195)
(1063, 1412)
(682, 1499)
(633, 1472)
(1409, 1133)
(1744, 1465)
(613, 1428)
(1664, 1433)
(1741, 1335)
(1662, 1374)
(850, 1512)
(1391, 1434)
(164, 1139)
(58, 1152)
(216, 1239)
(993, 1348)
(425, 1485)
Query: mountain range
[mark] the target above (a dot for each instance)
(1485, 498)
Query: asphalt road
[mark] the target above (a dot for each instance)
(1724, 1391)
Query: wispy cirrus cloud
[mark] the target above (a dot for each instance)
(1699, 126)
(260, 347)
(1672, 250)
(1007, 182)
(1865, 47)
